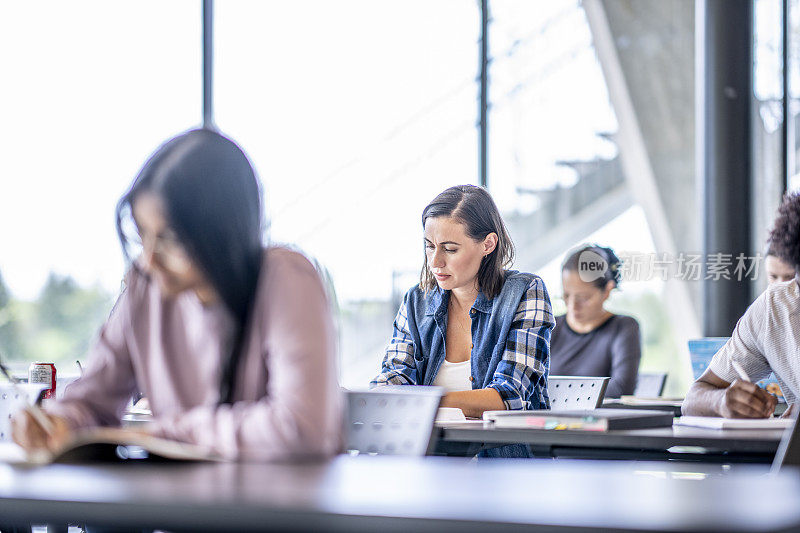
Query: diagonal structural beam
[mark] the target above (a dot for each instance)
(640, 176)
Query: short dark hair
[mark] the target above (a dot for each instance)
(474, 208)
(212, 200)
(612, 273)
(784, 238)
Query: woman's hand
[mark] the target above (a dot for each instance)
(28, 433)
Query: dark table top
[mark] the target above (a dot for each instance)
(733, 443)
(404, 494)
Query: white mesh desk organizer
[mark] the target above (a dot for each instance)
(392, 420)
(12, 401)
(576, 392)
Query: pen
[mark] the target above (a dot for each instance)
(32, 408)
(740, 371)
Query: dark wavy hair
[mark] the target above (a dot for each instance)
(474, 208)
(612, 273)
(784, 239)
(212, 199)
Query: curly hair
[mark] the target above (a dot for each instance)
(784, 238)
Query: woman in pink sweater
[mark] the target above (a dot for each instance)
(232, 343)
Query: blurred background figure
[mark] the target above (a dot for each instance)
(589, 340)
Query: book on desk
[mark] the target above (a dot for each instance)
(673, 405)
(107, 444)
(582, 420)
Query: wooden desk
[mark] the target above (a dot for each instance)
(677, 442)
(386, 494)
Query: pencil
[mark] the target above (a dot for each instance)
(740, 371)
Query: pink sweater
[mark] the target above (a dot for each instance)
(287, 400)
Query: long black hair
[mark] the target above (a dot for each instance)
(212, 199)
(474, 208)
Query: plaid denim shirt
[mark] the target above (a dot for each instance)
(511, 340)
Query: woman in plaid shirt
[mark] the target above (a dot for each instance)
(470, 325)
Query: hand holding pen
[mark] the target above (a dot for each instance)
(32, 428)
(745, 399)
(31, 406)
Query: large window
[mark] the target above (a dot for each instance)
(356, 114)
(89, 88)
(767, 121)
(793, 73)
(562, 74)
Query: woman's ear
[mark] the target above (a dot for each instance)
(489, 243)
(609, 287)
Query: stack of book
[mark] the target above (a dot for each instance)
(582, 420)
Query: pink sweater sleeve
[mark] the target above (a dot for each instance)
(300, 416)
(99, 397)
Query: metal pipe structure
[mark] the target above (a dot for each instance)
(484, 95)
(208, 64)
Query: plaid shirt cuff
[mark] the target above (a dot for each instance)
(509, 394)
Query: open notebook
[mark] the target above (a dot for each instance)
(108, 445)
(714, 422)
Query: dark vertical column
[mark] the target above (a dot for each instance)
(208, 63)
(785, 97)
(484, 96)
(725, 107)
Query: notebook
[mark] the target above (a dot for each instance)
(713, 422)
(652, 404)
(450, 414)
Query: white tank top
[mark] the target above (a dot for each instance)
(453, 376)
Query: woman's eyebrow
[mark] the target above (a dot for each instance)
(443, 242)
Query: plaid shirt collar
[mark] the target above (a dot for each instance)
(439, 298)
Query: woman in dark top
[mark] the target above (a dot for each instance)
(588, 340)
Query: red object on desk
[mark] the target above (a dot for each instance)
(44, 373)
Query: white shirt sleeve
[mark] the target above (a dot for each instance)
(745, 346)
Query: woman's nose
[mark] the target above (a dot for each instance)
(147, 260)
(437, 259)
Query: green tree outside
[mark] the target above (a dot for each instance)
(57, 327)
(10, 343)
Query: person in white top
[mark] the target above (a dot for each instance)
(454, 377)
(766, 339)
